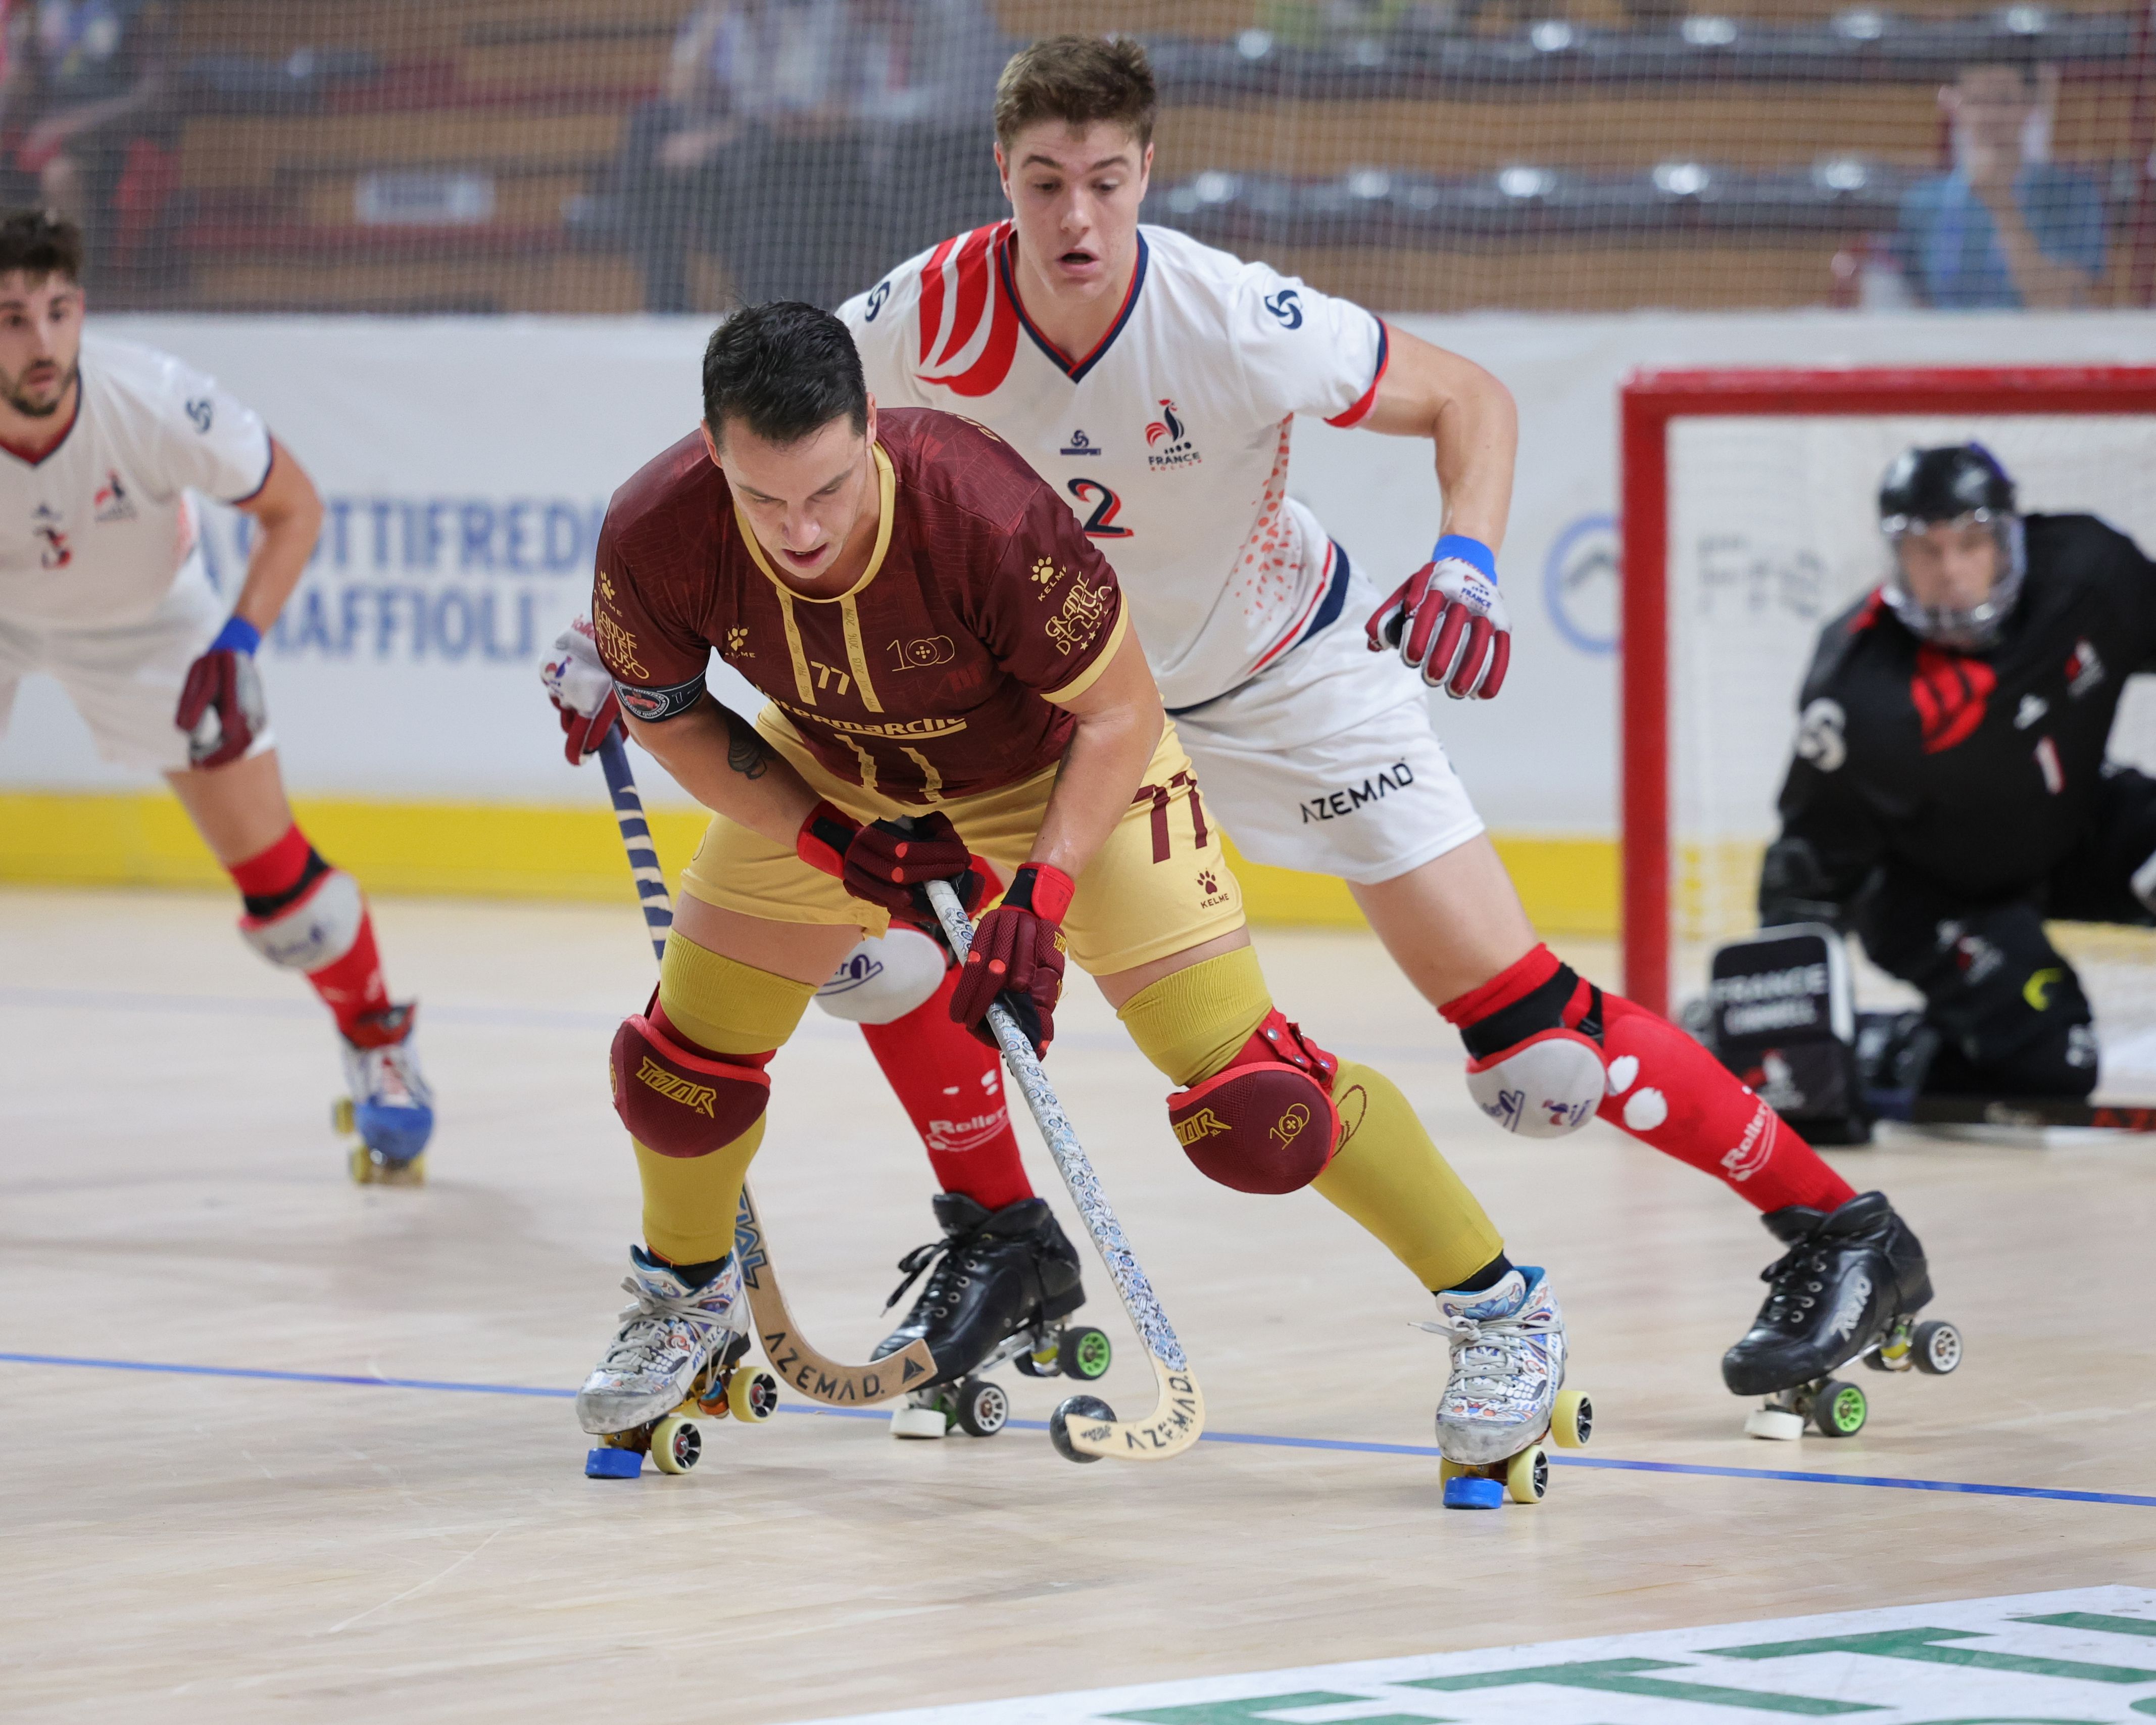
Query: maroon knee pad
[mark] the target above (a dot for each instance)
(1266, 1123)
(677, 1099)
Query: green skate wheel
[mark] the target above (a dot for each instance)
(676, 1444)
(1527, 1475)
(1076, 1407)
(1572, 1420)
(982, 1408)
(1085, 1353)
(1841, 1410)
(1937, 1348)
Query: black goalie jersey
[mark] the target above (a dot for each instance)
(1979, 773)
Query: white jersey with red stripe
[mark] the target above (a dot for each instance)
(1169, 440)
(99, 532)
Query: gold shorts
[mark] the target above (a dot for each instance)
(1158, 885)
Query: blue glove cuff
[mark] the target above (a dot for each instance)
(1472, 552)
(238, 635)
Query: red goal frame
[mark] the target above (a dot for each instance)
(1647, 402)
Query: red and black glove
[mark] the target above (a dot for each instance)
(891, 862)
(221, 707)
(1018, 958)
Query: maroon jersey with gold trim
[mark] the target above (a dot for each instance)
(935, 675)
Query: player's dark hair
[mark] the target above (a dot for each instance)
(1077, 80)
(39, 242)
(784, 370)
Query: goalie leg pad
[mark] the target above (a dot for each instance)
(1544, 1087)
(880, 980)
(675, 1099)
(1266, 1122)
(316, 929)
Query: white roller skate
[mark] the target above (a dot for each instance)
(1505, 1393)
(676, 1359)
(389, 1105)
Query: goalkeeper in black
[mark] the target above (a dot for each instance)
(1950, 791)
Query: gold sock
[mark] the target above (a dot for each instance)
(1192, 1023)
(1389, 1177)
(730, 1009)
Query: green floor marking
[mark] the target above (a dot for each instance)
(2096, 1621)
(1620, 1676)
(1921, 1643)
(1260, 1709)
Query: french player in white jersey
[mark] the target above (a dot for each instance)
(1154, 382)
(104, 586)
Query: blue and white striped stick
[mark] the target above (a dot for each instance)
(636, 840)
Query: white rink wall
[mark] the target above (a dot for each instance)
(466, 463)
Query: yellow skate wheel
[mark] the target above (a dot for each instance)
(361, 1161)
(753, 1394)
(1527, 1476)
(341, 1116)
(676, 1444)
(1572, 1420)
(1448, 1469)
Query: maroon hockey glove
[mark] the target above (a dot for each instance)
(890, 864)
(221, 707)
(1018, 958)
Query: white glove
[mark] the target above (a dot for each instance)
(1448, 620)
(582, 689)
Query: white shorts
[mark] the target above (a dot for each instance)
(1326, 761)
(124, 680)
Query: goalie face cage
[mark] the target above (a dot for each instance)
(1725, 589)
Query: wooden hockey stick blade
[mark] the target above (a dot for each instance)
(2030, 1112)
(815, 1375)
(1177, 1421)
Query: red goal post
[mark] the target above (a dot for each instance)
(1649, 403)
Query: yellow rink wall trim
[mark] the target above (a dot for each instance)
(509, 850)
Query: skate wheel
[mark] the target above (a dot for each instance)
(1572, 1420)
(341, 1116)
(607, 1463)
(1076, 1407)
(1779, 1424)
(982, 1408)
(1840, 1411)
(1527, 1475)
(1085, 1353)
(1040, 1362)
(751, 1395)
(676, 1444)
(1474, 1491)
(1937, 1348)
(909, 1421)
(361, 1161)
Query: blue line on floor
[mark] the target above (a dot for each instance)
(1879, 1481)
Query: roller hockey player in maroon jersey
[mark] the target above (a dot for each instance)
(103, 587)
(1155, 382)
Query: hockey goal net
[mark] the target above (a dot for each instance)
(1748, 519)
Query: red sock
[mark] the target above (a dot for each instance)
(951, 1088)
(1668, 1092)
(352, 986)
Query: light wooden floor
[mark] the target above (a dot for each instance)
(219, 1547)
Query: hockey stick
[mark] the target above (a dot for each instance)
(1083, 1427)
(816, 1376)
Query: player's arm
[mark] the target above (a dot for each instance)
(1119, 721)
(288, 519)
(717, 756)
(1831, 839)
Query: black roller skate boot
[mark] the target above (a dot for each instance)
(1850, 1286)
(1000, 1285)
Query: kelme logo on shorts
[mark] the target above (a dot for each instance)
(675, 1088)
(1204, 1124)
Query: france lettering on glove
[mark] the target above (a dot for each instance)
(1448, 621)
(221, 705)
(891, 862)
(582, 689)
(1017, 958)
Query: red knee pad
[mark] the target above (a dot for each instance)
(675, 1098)
(1267, 1122)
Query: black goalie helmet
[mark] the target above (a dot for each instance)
(1958, 483)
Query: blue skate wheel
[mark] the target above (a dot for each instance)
(607, 1463)
(1473, 1491)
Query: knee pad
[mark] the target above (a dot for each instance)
(1535, 1064)
(880, 980)
(317, 928)
(1266, 1123)
(678, 1100)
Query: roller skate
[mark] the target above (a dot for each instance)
(677, 1359)
(1506, 1393)
(999, 1286)
(389, 1105)
(1849, 1288)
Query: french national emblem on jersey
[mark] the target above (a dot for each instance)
(1167, 441)
(968, 326)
